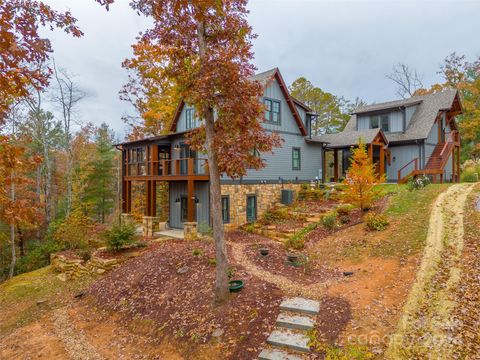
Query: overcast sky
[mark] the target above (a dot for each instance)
(344, 47)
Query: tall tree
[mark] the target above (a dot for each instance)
(153, 98)
(332, 110)
(464, 76)
(408, 80)
(205, 49)
(66, 95)
(46, 136)
(100, 192)
(23, 50)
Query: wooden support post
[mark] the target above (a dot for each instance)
(382, 160)
(370, 152)
(191, 201)
(148, 206)
(128, 197)
(324, 166)
(441, 178)
(335, 165)
(458, 163)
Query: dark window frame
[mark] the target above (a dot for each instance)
(270, 112)
(183, 199)
(250, 219)
(299, 151)
(382, 123)
(190, 118)
(226, 220)
(377, 118)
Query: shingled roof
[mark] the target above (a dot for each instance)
(428, 107)
(347, 138)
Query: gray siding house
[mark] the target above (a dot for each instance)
(168, 158)
(405, 138)
(411, 137)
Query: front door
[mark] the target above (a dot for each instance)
(183, 209)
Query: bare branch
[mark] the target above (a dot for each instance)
(407, 80)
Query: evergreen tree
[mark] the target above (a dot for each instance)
(99, 194)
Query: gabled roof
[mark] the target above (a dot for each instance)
(428, 107)
(265, 79)
(347, 139)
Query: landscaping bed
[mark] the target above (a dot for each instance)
(305, 270)
(170, 288)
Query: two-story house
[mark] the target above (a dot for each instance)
(169, 158)
(404, 138)
(415, 136)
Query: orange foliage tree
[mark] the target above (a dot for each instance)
(18, 204)
(361, 179)
(22, 50)
(205, 48)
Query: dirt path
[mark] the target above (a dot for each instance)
(74, 341)
(423, 327)
(314, 291)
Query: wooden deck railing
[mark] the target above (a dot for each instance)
(405, 166)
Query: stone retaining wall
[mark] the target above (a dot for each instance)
(75, 268)
(267, 196)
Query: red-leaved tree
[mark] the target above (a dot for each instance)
(205, 49)
(23, 50)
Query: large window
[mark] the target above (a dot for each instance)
(137, 158)
(226, 209)
(380, 121)
(272, 111)
(251, 208)
(190, 118)
(296, 159)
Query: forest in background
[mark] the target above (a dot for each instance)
(59, 178)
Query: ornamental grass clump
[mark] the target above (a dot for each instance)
(375, 221)
(329, 221)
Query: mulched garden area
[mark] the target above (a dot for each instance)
(171, 286)
(320, 232)
(314, 206)
(276, 261)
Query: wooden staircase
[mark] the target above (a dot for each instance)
(435, 164)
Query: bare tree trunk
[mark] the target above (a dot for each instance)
(12, 230)
(221, 278)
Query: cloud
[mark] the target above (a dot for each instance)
(344, 47)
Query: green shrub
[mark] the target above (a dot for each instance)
(275, 215)
(471, 174)
(375, 221)
(212, 261)
(418, 182)
(84, 254)
(197, 252)
(74, 232)
(329, 220)
(296, 241)
(37, 255)
(119, 236)
(249, 228)
(204, 229)
(343, 210)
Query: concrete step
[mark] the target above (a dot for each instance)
(297, 322)
(269, 354)
(300, 305)
(289, 339)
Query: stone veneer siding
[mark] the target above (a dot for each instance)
(267, 196)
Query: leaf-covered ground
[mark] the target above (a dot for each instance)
(466, 317)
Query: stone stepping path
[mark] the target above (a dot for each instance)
(290, 334)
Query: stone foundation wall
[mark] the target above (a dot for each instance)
(267, 196)
(76, 268)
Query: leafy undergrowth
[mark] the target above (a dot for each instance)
(169, 290)
(467, 296)
(27, 297)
